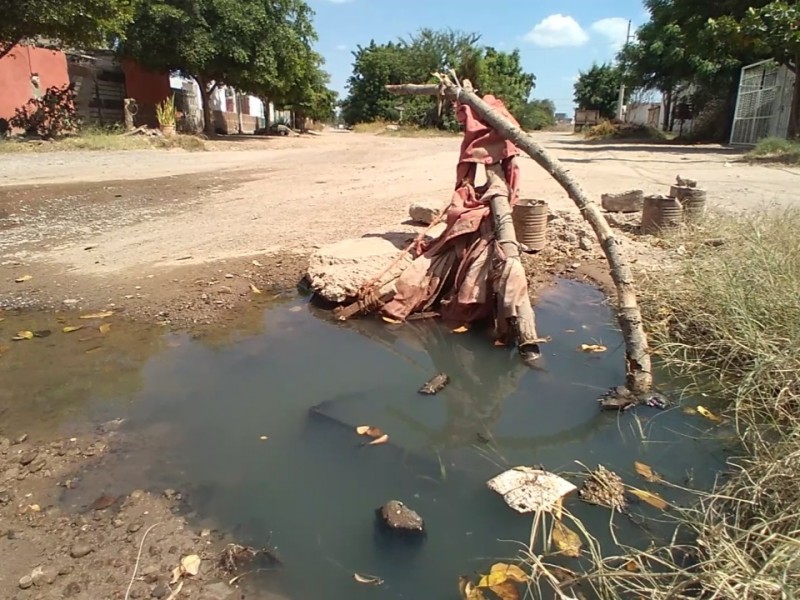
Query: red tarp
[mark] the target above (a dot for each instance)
(465, 266)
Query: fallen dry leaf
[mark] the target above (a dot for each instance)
(462, 329)
(392, 321)
(71, 328)
(190, 564)
(23, 279)
(593, 348)
(567, 541)
(362, 429)
(506, 591)
(502, 572)
(704, 412)
(23, 335)
(650, 498)
(254, 288)
(98, 315)
(35, 508)
(176, 574)
(257, 264)
(381, 440)
(631, 566)
(104, 328)
(468, 590)
(367, 579)
(646, 472)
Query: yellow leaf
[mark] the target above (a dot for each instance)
(23, 278)
(506, 591)
(704, 412)
(23, 335)
(367, 579)
(593, 348)
(254, 289)
(653, 500)
(567, 541)
(381, 440)
(71, 328)
(362, 429)
(512, 572)
(646, 472)
(99, 315)
(462, 329)
(104, 328)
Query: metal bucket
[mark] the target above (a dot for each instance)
(530, 223)
(661, 214)
(693, 201)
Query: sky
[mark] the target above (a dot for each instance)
(556, 38)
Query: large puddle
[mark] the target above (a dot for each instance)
(200, 408)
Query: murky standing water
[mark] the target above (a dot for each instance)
(311, 488)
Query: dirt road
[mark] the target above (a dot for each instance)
(115, 226)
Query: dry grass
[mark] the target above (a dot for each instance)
(103, 140)
(776, 150)
(606, 130)
(394, 130)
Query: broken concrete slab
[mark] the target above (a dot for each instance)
(630, 201)
(337, 271)
(425, 211)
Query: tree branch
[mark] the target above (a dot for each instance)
(639, 376)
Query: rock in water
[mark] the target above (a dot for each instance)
(337, 271)
(396, 516)
(425, 211)
(435, 384)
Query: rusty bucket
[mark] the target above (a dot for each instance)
(530, 223)
(693, 201)
(661, 214)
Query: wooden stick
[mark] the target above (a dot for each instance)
(639, 377)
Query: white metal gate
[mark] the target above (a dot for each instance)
(763, 104)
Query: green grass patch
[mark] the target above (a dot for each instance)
(776, 150)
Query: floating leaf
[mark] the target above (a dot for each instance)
(593, 348)
(392, 321)
(511, 572)
(650, 498)
(462, 329)
(468, 590)
(367, 579)
(104, 328)
(506, 591)
(254, 288)
(381, 440)
(567, 541)
(646, 472)
(98, 315)
(23, 335)
(362, 429)
(263, 438)
(190, 564)
(704, 412)
(71, 328)
(689, 411)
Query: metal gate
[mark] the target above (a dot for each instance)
(763, 104)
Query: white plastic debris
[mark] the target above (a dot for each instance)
(528, 490)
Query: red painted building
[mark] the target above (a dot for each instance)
(27, 71)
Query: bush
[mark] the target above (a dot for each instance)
(777, 149)
(624, 131)
(50, 116)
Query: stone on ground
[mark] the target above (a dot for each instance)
(425, 211)
(630, 201)
(337, 271)
(396, 516)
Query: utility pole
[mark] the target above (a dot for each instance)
(621, 101)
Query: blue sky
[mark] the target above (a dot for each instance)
(557, 38)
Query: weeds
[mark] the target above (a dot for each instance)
(606, 130)
(776, 150)
(103, 139)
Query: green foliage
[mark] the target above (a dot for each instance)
(165, 112)
(52, 115)
(413, 60)
(598, 89)
(776, 150)
(536, 115)
(76, 23)
(261, 47)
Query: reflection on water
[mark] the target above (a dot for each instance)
(311, 487)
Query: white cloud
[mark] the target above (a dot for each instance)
(341, 47)
(557, 31)
(615, 29)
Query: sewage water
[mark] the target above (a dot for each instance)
(201, 408)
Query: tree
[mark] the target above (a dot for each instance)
(253, 45)
(537, 114)
(772, 31)
(598, 89)
(414, 59)
(77, 23)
